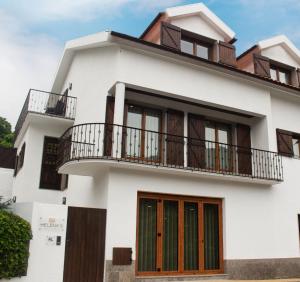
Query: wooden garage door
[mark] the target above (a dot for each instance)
(85, 244)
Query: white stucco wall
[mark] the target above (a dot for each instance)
(6, 182)
(278, 53)
(197, 25)
(259, 221)
(46, 260)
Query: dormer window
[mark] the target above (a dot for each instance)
(196, 47)
(280, 74)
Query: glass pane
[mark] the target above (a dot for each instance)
(224, 156)
(211, 237)
(187, 47)
(170, 236)
(202, 51)
(191, 261)
(283, 77)
(133, 141)
(152, 123)
(273, 74)
(210, 152)
(296, 147)
(147, 235)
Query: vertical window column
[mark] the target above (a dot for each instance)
(118, 119)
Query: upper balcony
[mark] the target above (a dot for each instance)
(47, 104)
(86, 148)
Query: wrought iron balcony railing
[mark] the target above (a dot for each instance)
(46, 103)
(127, 144)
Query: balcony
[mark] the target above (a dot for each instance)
(46, 103)
(85, 145)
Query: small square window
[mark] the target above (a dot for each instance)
(283, 77)
(296, 149)
(273, 74)
(187, 47)
(202, 51)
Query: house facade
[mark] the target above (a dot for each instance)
(174, 158)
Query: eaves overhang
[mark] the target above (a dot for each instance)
(112, 38)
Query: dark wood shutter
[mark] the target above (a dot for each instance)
(8, 157)
(109, 120)
(298, 74)
(170, 36)
(22, 156)
(122, 256)
(284, 142)
(175, 141)
(244, 149)
(227, 54)
(261, 65)
(196, 143)
(50, 179)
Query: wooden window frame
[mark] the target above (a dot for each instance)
(217, 156)
(296, 137)
(196, 42)
(159, 248)
(61, 186)
(278, 69)
(143, 135)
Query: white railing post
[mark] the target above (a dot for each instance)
(118, 119)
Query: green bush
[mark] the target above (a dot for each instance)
(15, 234)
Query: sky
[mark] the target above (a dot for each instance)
(33, 33)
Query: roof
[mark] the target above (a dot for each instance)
(108, 38)
(191, 10)
(201, 10)
(283, 41)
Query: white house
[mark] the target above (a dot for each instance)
(176, 160)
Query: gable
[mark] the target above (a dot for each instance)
(197, 25)
(280, 54)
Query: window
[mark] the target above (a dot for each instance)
(296, 144)
(50, 178)
(280, 74)
(197, 48)
(142, 134)
(178, 234)
(20, 159)
(217, 144)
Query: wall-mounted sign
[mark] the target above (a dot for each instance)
(51, 224)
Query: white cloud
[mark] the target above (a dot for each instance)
(30, 60)
(84, 10)
(27, 61)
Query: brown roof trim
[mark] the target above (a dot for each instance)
(151, 24)
(247, 51)
(233, 69)
(233, 40)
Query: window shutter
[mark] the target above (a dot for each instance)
(108, 129)
(261, 65)
(196, 143)
(64, 181)
(22, 155)
(298, 73)
(50, 179)
(244, 149)
(170, 36)
(284, 142)
(175, 144)
(227, 54)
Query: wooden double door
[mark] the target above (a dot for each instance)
(85, 245)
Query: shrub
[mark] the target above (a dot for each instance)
(15, 234)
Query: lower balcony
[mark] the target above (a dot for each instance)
(84, 148)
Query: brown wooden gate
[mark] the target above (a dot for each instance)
(85, 244)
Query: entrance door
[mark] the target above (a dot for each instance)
(85, 244)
